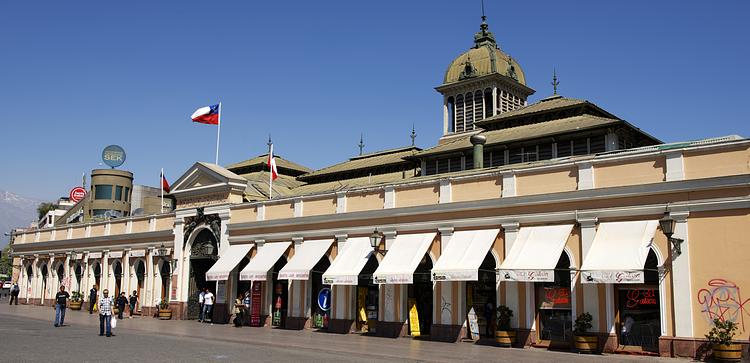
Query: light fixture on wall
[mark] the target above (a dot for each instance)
(375, 239)
(667, 225)
(162, 250)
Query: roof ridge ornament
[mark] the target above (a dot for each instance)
(511, 69)
(484, 36)
(555, 82)
(469, 70)
(361, 143)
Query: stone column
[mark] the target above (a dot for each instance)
(511, 288)
(681, 279)
(149, 300)
(126, 271)
(35, 288)
(106, 272)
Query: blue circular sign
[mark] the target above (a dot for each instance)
(113, 155)
(324, 299)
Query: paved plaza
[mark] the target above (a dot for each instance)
(28, 335)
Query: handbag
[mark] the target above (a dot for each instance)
(113, 324)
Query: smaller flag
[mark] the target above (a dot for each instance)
(164, 183)
(272, 165)
(207, 115)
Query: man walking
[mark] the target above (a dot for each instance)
(105, 313)
(200, 302)
(121, 302)
(208, 302)
(61, 302)
(92, 299)
(133, 302)
(14, 291)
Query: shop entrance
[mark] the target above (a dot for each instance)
(280, 296)
(638, 305)
(368, 295)
(45, 273)
(79, 275)
(482, 296)
(117, 268)
(61, 277)
(97, 275)
(320, 299)
(554, 314)
(203, 255)
(243, 287)
(166, 278)
(140, 277)
(419, 299)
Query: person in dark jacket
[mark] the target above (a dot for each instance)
(133, 302)
(121, 302)
(14, 291)
(92, 299)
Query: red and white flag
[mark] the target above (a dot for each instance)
(272, 164)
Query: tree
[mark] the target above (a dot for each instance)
(6, 262)
(43, 208)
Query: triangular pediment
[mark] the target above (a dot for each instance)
(208, 181)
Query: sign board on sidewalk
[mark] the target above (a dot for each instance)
(413, 318)
(473, 324)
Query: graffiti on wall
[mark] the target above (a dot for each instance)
(722, 300)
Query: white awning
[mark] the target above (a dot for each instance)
(227, 262)
(618, 253)
(258, 267)
(535, 253)
(402, 258)
(461, 258)
(349, 262)
(306, 256)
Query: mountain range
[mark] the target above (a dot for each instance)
(15, 211)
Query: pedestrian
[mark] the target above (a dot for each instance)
(201, 317)
(14, 291)
(208, 306)
(121, 302)
(238, 311)
(105, 313)
(92, 299)
(133, 302)
(61, 302)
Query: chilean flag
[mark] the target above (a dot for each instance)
(207, 115)
(272, 165)
(164, 182)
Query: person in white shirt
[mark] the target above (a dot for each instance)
(208, 306)
(201, 317)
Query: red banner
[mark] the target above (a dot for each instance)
(255, 304)
(555, 298)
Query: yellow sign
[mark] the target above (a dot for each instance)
(361, 297)
(413, 318)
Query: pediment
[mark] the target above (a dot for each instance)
(208, 183)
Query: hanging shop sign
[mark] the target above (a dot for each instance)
(527, 275)
(77, 194)
(95, 255)
(255, 304)
(113, 156)
(137, 253)
(324, 299)
(555, 297)
(413, 318)
(115, 254)
(612, 277)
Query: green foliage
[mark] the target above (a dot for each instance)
(722, 332)
(43, 208)
(76, 296)
(164, 304)
(582, 324)
(504, 314)
(6, 262)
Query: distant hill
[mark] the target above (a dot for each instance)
(15, 211)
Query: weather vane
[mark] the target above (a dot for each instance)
(555, 83)
(361, 144)
(413, 134)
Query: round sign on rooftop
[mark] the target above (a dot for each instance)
(113, 155)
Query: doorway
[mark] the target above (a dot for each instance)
(79, 275)
(553, 303)
(320, 299)
(482, 296)
(166, 278)
(368, 297)
(45, 274)
(117, 269)
(419, 299)
(140, 278)
(203, 255)
(638, 310)
(61, 277)
(280, 295)
(97, 268)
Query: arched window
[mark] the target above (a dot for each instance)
(478, 106)
(451, 115)
(460, 113)
(469, 123)
(488, 106)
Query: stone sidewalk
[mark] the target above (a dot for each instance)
(309, 340)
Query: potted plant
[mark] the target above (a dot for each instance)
(76, 300)
(505, 336)
(165, 313)
(584, 341)
(720, 339)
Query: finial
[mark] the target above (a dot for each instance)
(269, 143)
(555, 83)
(413, 134)
(361, 144)
(484, 36)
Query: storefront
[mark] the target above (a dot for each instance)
(419, 299)
(553, 303)
(368, 297)
(264, 268)
(320, 299)
(481, 295)
(638, 315)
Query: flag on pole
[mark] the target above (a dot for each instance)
(207, 115)
(164, 182)
(272, 165)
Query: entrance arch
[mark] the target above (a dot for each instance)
(29, 282)
(78, 276)
(638, 308)
(117, 270)
(140, 277)
(482, 295)
(45, 275)
(419, 296)
(203, 253)
(554, 314)
(60, 277)
(96, 269)
(279, 294)
(165, 272)
(368, 297)
(319, 316)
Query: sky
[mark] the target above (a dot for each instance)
(80, 75)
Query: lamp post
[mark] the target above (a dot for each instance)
(375, 239)
(667, 225)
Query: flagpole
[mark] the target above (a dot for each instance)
(218, 133)
(161, 186)
(270, 170)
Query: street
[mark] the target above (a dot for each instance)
(28, 336)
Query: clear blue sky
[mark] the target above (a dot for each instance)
(76, 76)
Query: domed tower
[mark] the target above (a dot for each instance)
(480, 83)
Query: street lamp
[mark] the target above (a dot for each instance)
(667, 225)
(162, 250)
(375, 239)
